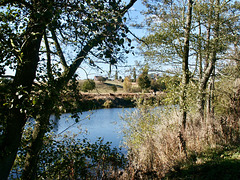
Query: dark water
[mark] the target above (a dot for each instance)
(104, 123)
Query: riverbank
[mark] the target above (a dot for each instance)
(220, 163)
(91, 101)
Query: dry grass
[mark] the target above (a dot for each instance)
(106, 87)
(155, 146)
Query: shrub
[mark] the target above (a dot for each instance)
(114, 88)
(107, 103)
(127, 85)
(144, 81)
(158, 85)
(152, 137)
(88, 85)
(66, 157)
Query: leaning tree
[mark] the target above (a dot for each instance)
(44, 42)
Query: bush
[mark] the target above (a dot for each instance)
(114, 88)
(144, 81)
(108, 104)
(88, 85)
(127, 85)
(152, 137)
(158, 85)
(66, 157)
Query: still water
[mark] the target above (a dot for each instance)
(104, 123)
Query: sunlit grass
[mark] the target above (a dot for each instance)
(106, 87)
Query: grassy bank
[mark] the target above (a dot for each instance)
(156, 151)
(103, 96)
(106, 86)
(154, 140)
(219, 163)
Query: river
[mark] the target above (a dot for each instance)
(104, 123)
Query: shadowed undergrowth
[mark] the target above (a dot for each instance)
(212, 164)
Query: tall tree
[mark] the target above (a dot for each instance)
(191, 35)
(214, 29)
(217, 23)
(169, 42)
(144, 81)
(134, 75)
(185, 62)
(35, 37)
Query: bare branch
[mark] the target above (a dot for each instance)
(141, 40)
(7, 76)
(91, 44)
(127, 7)
(59, 50)
(49, 68)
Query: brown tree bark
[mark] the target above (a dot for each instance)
(16, 119)
(211, 59)
(28, 59)
(185, 69)
(185, 76)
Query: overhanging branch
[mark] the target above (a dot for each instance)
(91, 43)
(49, 68)
(127, 7)
(59, 50)
(19, 2)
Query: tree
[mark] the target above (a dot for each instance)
(159, 84)
(217, 34)
(127, 84)
(173, 38)
(134, 75)
(213, 31)
(114, 88)
(116, 75)
(196, 33)
(88, 85)
(35, 37)
(143, 80)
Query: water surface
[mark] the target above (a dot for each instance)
(105, 123)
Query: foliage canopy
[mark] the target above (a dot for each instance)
(44, 42)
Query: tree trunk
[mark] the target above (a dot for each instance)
(210, 66)
(16, 119)
(211, 87)
(185, 76)
(185, 69)
(202, 88)
(30, 168)
(11, 141)
(41, 127)
(40, 14)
